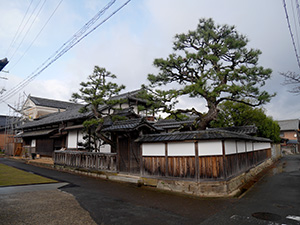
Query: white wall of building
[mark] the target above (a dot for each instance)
(207, 148)
(230, 147)
(241, 146)
(72, 139)
(249, 146)
(261, 145)
(181, 149)
(153, 149)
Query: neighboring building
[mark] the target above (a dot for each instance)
(2, 131)
(7, 132)
(63, 129)
(290, 134)
(35, 107)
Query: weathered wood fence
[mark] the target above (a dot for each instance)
(197, 161)
(89, 160)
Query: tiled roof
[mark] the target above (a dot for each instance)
(173, 124)
(70, 114)
(239, 129)
(51, 103)
(198, 135)
(127, 125)
(289, 124)
(131, 95)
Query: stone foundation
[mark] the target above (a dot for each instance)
(227, 188)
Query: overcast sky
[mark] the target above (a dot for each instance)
(128, 42)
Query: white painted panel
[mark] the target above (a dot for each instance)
(249, 146)
(33, 143)
(230, 147)
(181, 149)
(72, 139)
(153, 149)
(261, 145)
(80, 136)
(105, 148)
(210, 148)
(241, 146)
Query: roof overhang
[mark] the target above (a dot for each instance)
(36, 133)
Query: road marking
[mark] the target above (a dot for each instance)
(297, 218)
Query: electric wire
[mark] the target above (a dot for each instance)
(13, 66)
(17, 32)
(295, 24)
(25, 25)
(64, 46)
(30, 26)
(291, 33)
(71, 44)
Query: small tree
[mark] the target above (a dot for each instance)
(96, 94)
(214, 64)
(239, 114)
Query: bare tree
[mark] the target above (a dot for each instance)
(292, 79)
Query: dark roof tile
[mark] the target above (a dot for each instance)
(198, 135)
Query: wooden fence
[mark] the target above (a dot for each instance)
(89, 160)
(203, 167)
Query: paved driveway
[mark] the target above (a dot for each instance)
(275, 197)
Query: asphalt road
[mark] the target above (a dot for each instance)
(275, 197)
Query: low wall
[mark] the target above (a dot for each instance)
(89, 160)
(227, 188)
(202, 160)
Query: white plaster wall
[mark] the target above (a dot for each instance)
(33, 143)
(181, 149)
(153, 149)
(72, 139)
(241, 146)
(230, 147)
(80, 136)
(105, 148)
(249, 146)
(261, 145)
(210, 148)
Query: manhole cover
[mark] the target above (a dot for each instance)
(266, 216)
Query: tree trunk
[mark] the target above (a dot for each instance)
(210, 116)
(103, 137)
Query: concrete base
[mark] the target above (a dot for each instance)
(227, 188)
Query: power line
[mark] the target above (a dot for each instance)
(72, 42)
(291, 33)
(17, 33)
(42, 67)
(37, 35)
(28, 30)
(295, 25)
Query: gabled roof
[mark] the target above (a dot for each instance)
(133, 95)
(70, 114)
(199, 135)
(128, 125)
(51, 103)
(286, 125)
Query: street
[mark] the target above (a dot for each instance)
(275, 199)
